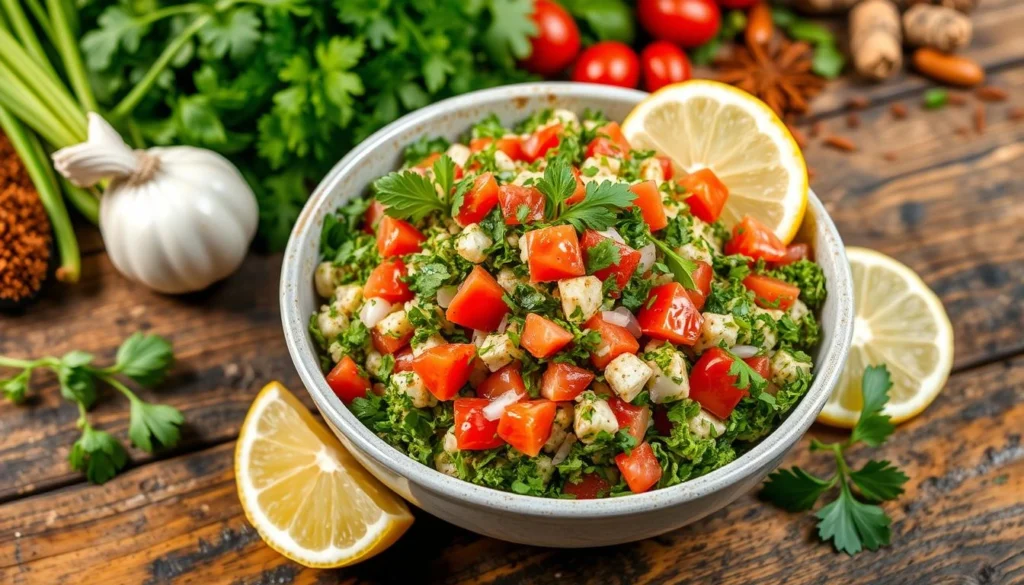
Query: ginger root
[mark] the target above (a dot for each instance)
(875, 38)
(937, 27)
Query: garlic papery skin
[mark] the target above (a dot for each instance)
(177, 219)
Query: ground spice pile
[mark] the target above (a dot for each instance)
(24, 230)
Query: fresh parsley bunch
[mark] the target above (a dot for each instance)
(144, 359)
(852, 523)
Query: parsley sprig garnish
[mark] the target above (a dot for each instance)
(680, 267)
(598, 208)
(413, 196)
(144, 359)
(852, 523)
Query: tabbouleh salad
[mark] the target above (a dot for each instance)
(544, 310)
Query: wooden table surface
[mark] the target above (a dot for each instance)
(929, 189)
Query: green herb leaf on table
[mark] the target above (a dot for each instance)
(795, 490)
(98, 454)
(851, 525)
(153, 421)
(935, 98)
(408, 195)
(828, 61)
(145, 358)
(16, 388)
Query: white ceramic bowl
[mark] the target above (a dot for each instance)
(508, 516)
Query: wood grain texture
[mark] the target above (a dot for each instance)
(961, 521)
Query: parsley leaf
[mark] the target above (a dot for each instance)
(603, 255)
(444, 173)
(149, 421)
(98, 454)
(557, 185)
(429, 278)
(145, 358)
(746, 376)
(507, 38)
(16, 388)
(237, 33)
(852, 525)
(873, 427)
(879, 480)
(408, 195)
(599, 206)
(795, 490)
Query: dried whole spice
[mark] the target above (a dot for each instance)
(852, 120)
(857, 103)
(979, 119)
(899, 111)
(990, 93)
(840, 143)
(937, 27)
(780, 75)
(1015, 114)
(876, 39)
(24, 231)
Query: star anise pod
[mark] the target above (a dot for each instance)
(779, 74)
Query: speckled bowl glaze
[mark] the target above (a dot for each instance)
(508, 516)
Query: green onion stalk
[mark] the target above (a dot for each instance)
(43, 104)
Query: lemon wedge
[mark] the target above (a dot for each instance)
(308, 498)
(900, 323)
(707, 124)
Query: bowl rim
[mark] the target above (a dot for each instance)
(768, 451)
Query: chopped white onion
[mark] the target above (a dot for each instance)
(373, 311)
(496, 408)
(744, 351)
(503, 325)
(615, 318)
(647, 257)
(613, 234)
(563, 450)
(445, 294)
(632, 325)
(479, 337)
(664, 386)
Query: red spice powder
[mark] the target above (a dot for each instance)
(24, 230)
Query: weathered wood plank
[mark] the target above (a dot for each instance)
(949, 206)
(961, 520)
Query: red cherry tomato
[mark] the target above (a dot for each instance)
(610, 63)
(557, 41)
(688, 23)
(663, 63)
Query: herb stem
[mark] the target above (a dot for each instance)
(168, 12)
(130, 101)
(85, 201)
(67, 47)
(23, 28)
(117, 384)
(42, 18)
(7, 362)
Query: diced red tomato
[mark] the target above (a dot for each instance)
(428, 162)
(346, 381)
(590, 487)
(473, 432)
(403, 360)
(629, 259)
(445, 369)
(707, 194)
(543, 338)
(648, 199)
(386, 282)
(562, 382)
(632, 419)
(771, 293)
(581, 189)
(479, 200)
(513, 197)
(670, 314)
(615, 341)
(713, 387)
(760, 364)
(554, 253)
(602, 146)
(537, 144)
(386, 344)
(666, 167)
(396, 237)
(506, 379)
(372, 216)
(753, 239)
(527, 425)
(640, 468)
(478, 304)
(615, 140)
(794, 253)
(702, 276)
(510, 145)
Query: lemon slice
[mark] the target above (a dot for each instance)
(309, 499)
(707, 124)
(900, 323)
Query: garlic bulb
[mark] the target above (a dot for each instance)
(177, 219)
